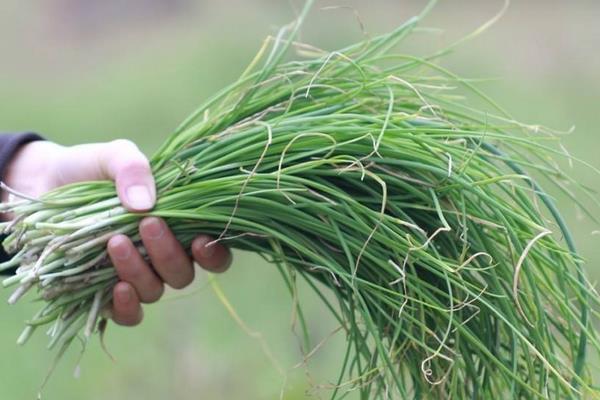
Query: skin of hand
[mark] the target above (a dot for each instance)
(40, 166)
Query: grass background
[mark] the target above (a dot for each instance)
(78, 71)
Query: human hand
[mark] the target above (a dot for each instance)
(42, 166)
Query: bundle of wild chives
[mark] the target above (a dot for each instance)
(361, 171)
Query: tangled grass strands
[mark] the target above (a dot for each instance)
(368, 174)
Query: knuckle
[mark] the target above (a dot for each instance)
(136, 319)
(130, 321)
(179, 284)
(217, 268)
(133, 164)
(122, 144)
(181, 279)
(123, 319)
(223, 267)
(122, 156)
(130, 274)
(161, 256)
(155, 295)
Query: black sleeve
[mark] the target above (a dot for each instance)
(9, 144)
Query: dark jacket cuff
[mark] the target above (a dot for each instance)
(9, 144)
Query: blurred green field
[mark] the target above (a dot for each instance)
(79, 71)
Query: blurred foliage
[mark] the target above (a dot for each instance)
(80, 71)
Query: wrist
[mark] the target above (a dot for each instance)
(30, 169)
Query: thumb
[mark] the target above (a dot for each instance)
(120, 161)
(129, 168)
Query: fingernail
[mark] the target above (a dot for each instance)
(123, 295)
(119, 249)
(153, 228)
(139, 197)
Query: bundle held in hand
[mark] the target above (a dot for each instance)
(362, 171)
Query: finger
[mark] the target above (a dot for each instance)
(127, 310)
(213, 257)
(120, 161)
(132, 269)
(168, 257)
(123, 162)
